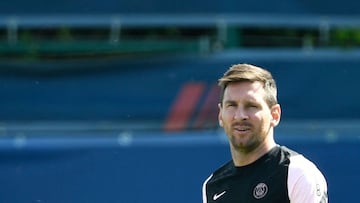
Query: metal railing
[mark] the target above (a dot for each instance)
(221, 22)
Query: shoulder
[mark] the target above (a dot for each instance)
(306, 183)
(223, 171)
(225, 168)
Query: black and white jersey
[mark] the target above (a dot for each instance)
(280, 176)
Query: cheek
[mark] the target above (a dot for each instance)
(268, 120)
(264, 118)
(225, 117)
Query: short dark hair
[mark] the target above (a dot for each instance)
(251, 73)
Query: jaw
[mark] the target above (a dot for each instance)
(243, 142)
(245, 154)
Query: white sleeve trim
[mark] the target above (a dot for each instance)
(204, 189)
(305, 182)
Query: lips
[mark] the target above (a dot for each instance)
(242, 127)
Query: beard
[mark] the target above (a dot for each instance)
(245, 137)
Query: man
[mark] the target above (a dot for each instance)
(260, 170)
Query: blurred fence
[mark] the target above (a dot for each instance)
(117, 22)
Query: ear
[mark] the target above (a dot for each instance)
(276, 115)
(219, 115)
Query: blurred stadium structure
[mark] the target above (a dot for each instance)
(115, 99)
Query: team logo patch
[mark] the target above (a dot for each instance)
(260, 190)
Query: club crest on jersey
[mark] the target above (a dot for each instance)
(260, 190)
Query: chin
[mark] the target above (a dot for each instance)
(245, 146)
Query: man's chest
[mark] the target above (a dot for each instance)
(270, 187)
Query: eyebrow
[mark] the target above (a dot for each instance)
(250, 101)
(229, 101)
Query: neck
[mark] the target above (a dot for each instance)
(242, 158)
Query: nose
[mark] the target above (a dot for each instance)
(240, 114)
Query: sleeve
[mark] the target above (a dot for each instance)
(306, 183)
(204, 194)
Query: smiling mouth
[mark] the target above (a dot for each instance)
(242, 129)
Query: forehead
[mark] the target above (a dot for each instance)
(246, 89)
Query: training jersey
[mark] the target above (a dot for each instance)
(279, 176)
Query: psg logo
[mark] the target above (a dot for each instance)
(260, 190)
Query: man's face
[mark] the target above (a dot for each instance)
(245, 115)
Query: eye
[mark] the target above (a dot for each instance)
(252, 105)
(230, 104)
